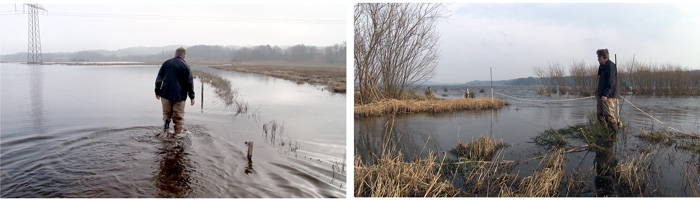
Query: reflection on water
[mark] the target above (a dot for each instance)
(36, 90)
(605, 164)
(173, 177)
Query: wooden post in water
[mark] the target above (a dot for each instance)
(250, 150)
(201, 102)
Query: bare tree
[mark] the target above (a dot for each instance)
(396, 47)
(542, 74)
(556, 77)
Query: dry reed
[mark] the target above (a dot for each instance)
(482, 148)
(396, 107)
(633, 174)
(485, 178)
(545, 182)
(391, 176)
(576, 183)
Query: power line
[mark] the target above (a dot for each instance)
(197, 18)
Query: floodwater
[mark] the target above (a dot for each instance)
(90, 131)
(519, 123)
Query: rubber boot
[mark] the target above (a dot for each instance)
(166, 124)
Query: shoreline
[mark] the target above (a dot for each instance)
(332, 78)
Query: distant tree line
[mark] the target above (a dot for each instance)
(634, 78)
(328, 54)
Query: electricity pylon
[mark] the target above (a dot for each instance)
(34, 49)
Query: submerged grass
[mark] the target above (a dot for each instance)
(692, 146)
(396, 107)
(592, 134)
(668, 138)
(222, 87)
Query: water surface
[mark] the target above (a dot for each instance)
(519, 123)
(90, 131)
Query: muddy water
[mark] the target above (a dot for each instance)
(90, 131)
(519, 123)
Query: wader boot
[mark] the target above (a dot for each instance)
(602, 121)
(613, 127)
(166, 124)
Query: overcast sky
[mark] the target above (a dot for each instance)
(74, 27)
(512, 38)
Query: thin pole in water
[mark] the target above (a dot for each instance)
(491, 70)
(617, 107)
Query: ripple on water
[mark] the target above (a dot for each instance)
(133, 162)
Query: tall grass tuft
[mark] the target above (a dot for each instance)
(633, 174)
(482, 148)
(544, 182)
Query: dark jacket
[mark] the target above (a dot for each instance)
(174, 81)
(607, 80)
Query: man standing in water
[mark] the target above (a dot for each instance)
(174, 84)
(606, 94)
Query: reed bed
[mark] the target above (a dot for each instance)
(544, 182)
(633, 174)
(577, 184)
(397, 107)
(486, 178)
(392, 176)
(482, 148)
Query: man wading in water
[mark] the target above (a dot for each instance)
(606, 94)
(174, 84)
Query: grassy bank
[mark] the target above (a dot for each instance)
(331, 77)
(397, 107)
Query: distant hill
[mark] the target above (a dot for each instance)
(334, 55)
(511, 82)
(127, 54)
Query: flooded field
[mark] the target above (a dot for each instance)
(90, 131)
(673, 171)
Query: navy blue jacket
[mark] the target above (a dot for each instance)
(607, 80)
(174, 81)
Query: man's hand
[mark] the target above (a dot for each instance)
(157, 97)
(192, 102)
(604, 98)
